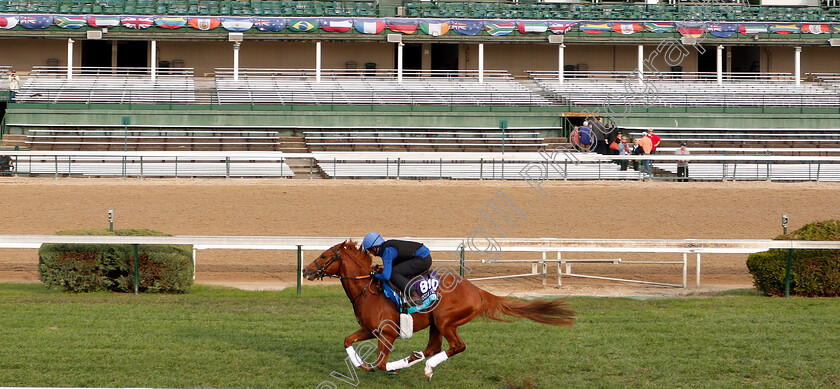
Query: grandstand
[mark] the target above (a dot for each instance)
(316, 78)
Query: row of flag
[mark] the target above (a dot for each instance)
(410, 26)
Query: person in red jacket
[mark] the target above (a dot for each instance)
(654, 139)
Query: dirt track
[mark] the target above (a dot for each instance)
(351, 208)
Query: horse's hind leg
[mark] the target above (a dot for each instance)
(456, 345)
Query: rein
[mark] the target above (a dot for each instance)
(321, 273)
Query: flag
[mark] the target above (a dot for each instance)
(405, 26)
(103, 21)
(592, 28)
(783, 28)
(835, 29)
(369, 26)
(531, 27)
(815, 28)
(237, 24)
(303, 25)
(434, 28)
(136, 23)
(627, 28)
(694, 30)
(658, 28)
(270, 24)
(204, 24)
(7, 22)
(36, 22)
(467, 27)
(499, 29)
(722, 30)
(170, 22)
(331, 25)
(752, 29)
(560, 27)
(70, 21)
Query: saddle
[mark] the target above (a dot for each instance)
(422, 292)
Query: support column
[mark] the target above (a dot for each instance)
(720, 65)
(797, 63)
(236, 61)
(70, 59)
(641, 64)
(318, 61)
(400, 62)
(561, 60)
(154, 60)
(481, 63)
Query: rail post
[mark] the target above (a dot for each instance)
(461, 268)
(136, 270)
(299, 268)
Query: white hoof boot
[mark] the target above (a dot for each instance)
(429, 373)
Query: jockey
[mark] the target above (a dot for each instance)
(400, 259)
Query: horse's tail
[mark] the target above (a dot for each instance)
(551, 312)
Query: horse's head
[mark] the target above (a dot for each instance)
(344, 255)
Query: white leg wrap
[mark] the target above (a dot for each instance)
(436, 359)
(403, 363)
(406, 326)
(354, 357)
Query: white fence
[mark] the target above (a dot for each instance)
(456, 248)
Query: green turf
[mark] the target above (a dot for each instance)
(218, 337)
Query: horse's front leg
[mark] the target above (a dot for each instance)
(360, 334)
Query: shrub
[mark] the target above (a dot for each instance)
(813, 272)
(99, 267)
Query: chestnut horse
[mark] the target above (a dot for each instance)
(460, 301)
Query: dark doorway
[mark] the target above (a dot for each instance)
(444, 56)
(132, 54)
(745, 59)
(96, 53)
(707, 62)
(412, 56)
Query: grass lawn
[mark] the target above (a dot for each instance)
(219, 337)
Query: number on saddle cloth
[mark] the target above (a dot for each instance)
(426, 285)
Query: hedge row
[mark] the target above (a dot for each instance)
(99, 267)
(813, 272)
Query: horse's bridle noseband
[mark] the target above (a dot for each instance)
(320, 271)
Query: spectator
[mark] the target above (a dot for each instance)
(585, 137)
(682, 164)
(612, 136)
(623, 149)
(5, 164)
(647, 146)
(654, 139)
(637, 150)
(14, 85)
(600, 136)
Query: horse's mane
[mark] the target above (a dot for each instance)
(362, 257)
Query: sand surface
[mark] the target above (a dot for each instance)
(351, 208)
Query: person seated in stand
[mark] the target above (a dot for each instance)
(5, 164)
(401, 259)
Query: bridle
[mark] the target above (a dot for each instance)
(320, 271)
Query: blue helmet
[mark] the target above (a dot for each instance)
(372, 240)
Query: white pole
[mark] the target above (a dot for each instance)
(720, 65)
(561, 60)
(154, 60)
(69, 59)
(481, 63)
(641, 64)
(318, 61)
(685, 270)
(400, 62)
(797, 62)
(236, 61)
(698, 270)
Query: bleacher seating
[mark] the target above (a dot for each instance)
(152, 139)
(778, 141)
(670, 89)
(349, 87)
(46, 84)
(758, 171)
(193, 7)
(422, 141)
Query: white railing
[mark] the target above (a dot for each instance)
(459, 248)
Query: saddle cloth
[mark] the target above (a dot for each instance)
(425, 284)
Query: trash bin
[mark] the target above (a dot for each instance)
(370, 68)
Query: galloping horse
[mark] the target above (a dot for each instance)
(460, 302)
